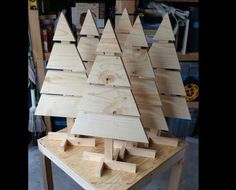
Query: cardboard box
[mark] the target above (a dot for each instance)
(128, 4)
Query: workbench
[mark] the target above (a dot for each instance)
(83, 171)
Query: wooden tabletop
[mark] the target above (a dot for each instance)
(83, 171)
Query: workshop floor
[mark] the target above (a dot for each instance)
(64, 182)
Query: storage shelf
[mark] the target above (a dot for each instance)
(189, 56)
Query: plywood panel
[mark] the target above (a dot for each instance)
(153, 117)
(107, 126)
(58, 106)
(169, 82)
(64, 83)
(163, 55)
(137, 63)
(175, 107)
(65, 57)
(108, 42)
(145, 92)
(89, 27)
(165, 31)
(87, 48)
(123, 24)
(98, 99)
(63, 31)
(136, 36)
(108, 70)
(122, 39)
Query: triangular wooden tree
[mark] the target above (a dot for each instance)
(108, 107)
(63, 86)
(89, 39)
(63, 32)
(123, 28)
(167, 69)
(142, 77)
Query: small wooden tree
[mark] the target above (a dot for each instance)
(108, 109)
(64, 84)
(167, 69)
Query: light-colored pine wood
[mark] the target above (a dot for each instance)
(77, 141)
(122, 151)
(64, 83)
(83, 171)
(69, 123)
(163, 140)
(152, 117)
(145, 92)
(169, 82)
(93, 156)
(100, 168)
(137, 63)
(57, 136)
(163, 55)
(123, 25)
(89, 26)
(64, 144)
(136, 36)
(58, 106)
(108, 42)
(121, 166)
(165, 31)
(122, 39)
(113, 101)
(108, 149)
(87, 48)
(117, 18)
(108, 70)
(174, 106)
(175, 175)
(88, 66)
(63, 31)
(65, 57)
(141, 152)
(116, 153)
(108, 126)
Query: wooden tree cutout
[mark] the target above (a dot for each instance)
(89, 39)
(109, 111)
(124, 25)
(63, 88)
(167, 69)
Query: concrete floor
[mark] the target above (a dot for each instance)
(64, 182)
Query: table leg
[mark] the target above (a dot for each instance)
(175, 176)
(46, 172)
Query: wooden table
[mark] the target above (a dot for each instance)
(83, 171)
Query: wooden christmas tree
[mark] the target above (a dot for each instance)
(167, 69)
(142, 77)
(64, 84)
(108, 109)
(89, 38)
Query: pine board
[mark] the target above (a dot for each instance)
(123, 24)
(89, 26)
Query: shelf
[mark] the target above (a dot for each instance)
(188, 56)
(193, 105)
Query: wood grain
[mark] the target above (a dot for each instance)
(87, 48)
(63, 31)
(108, 126)
(58, 106)
(103, 100)
(65, 57)
(123, 24)
(108, 70)
(122, 39)
(89, 26)
(64, 83)
(163, 55)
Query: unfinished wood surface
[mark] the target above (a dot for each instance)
(169, 82)
(108, 126)
(175, 176)
(108, 42)
(174, 106)
(64, 144)
(122, 39)
(87, 48)
(65, 57)
(64, 83)
(93, 156)
(63, 31)
(136, 36)
(108, 70)
(89, 26)
(121, 166)
(116, 153)
(100, 168)
(123, 25)
(58, 106)
(143, 152)
(163, 55)
(103, 100)
(163, 140)
(88, 66)
(153, 117)
(69, 124)
(117, 18)
(145, 92)
(108, 149)
(137, 63)
(165, 31)
(83, 171)
(58, 136)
